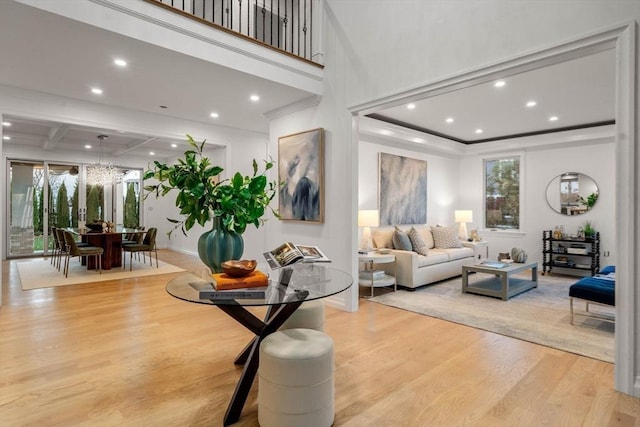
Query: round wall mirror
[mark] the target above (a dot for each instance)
(572, 193)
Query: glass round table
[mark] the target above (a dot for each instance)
(287, 289)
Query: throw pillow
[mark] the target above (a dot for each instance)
(401, 240)
(417, 242)
(446, 237)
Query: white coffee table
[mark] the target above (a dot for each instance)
(501, 285)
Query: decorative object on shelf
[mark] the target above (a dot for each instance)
(558, 232)
(301, 176)
(402, 200)
(239, 268)
(502, 256)
(572, 193)
(588, 229)
(103, 173)
(474, 236)
(367, 219)
(232, 203)
(463, 217)
(519, 255)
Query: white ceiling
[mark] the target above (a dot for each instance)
(49, 53)
(53, 54)
(580, 93)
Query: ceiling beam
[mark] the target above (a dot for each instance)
(56, 133)
(133, 146)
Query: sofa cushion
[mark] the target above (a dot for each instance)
(458, 253)
(401, 240)
(383, 237)
(417, 242)
(446, 237)
(432, 258)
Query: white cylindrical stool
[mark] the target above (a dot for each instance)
(295, 379)
(310, 315)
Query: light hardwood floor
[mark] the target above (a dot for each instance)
(125, 353)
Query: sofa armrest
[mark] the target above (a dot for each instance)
(406, 264)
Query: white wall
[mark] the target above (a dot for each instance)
(540, 166)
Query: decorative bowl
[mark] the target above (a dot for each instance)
(239, 268)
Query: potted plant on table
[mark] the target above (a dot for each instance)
(588, 230)
(230, 204)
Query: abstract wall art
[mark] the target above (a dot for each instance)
(403, 190)
(301, 176)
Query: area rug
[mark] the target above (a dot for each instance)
(540, 315)
(39, 273)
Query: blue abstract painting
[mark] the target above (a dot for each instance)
(300, 173)
(403, 190)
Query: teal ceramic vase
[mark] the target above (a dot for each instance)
(219, 245)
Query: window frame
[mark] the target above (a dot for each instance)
(514, 232)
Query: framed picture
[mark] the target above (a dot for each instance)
(403, 190)
(301, 176)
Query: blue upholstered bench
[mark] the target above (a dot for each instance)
(594, 290)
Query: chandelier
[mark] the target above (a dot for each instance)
(103, 173)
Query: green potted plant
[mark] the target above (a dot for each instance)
(230, 204)
(588, 229)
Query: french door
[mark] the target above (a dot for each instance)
(54, 194)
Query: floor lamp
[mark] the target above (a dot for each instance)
(463, 217)
(367, 219)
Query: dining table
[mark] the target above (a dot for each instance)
(287, 289)
(111, 243)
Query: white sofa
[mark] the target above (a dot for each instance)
(413, 270)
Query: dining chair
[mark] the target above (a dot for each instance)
(62, 246)
(56, 246)
(148, 244)
(131, 239)
(74, 250)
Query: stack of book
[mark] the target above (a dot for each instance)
(372, 274)
(223, 286)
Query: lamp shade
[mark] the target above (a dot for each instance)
(368, 218)
(463, 216)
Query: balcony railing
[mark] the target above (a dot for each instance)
(285, 25)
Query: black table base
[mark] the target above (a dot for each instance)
(250, 355)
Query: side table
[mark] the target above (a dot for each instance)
(375, 282)
(480, 250)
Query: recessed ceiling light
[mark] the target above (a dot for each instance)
(254, 98)
(96, 90)
(479, 131)
(174, 145)
(120, 62)
(411, 106)
(531, 104)
(87, 146)
(6, 138)
(499, 83)
(553, 118)
(6, 124)
(151, 153)
(449, 120)
(214, 115)
(418, 140)
(385, 132)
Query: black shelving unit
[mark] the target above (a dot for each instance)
(561, 253)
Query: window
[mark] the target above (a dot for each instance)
(502, 193)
